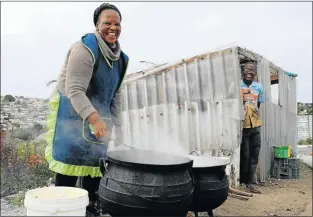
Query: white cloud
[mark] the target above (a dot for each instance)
(36, 36)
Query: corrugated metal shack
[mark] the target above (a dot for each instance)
(196, 103)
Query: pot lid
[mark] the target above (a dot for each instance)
(207, 161)
(147, 157)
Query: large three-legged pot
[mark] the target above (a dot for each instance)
(146, 183)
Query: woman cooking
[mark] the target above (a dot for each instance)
(86, 104)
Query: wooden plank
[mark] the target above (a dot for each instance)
(238, 197)
(238, 192)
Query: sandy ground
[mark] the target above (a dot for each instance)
(9, 210)
(278, 198)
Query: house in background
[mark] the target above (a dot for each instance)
(195, 104)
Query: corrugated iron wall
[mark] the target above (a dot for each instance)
(279, 121)
(196, 105)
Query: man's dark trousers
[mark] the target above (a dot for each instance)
(249, 154)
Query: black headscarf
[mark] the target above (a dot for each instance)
(104, 6)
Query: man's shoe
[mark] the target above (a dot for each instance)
(253, 189)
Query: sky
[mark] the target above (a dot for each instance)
(36, 36)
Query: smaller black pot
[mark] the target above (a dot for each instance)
(211, 184)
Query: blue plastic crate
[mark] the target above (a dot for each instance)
(295, 173)
(282, 173)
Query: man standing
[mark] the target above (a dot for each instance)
(253, 96)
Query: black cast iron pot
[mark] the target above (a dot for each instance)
(211, 184)
(146, 183)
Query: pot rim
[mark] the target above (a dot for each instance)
(219, 161)
(115, 157)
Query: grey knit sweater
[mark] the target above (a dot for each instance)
(76, 75)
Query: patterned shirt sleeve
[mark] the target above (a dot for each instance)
(261, 94)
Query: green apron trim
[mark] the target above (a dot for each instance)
(57, 166)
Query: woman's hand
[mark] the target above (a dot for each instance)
(100, 127)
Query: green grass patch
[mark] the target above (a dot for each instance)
(17, 200)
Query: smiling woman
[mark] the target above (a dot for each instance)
(86, 104)
(107, 19)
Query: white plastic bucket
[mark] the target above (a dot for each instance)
(56, 201)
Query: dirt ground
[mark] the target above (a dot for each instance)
(278, 198)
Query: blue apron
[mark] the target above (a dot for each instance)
(75, 150)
